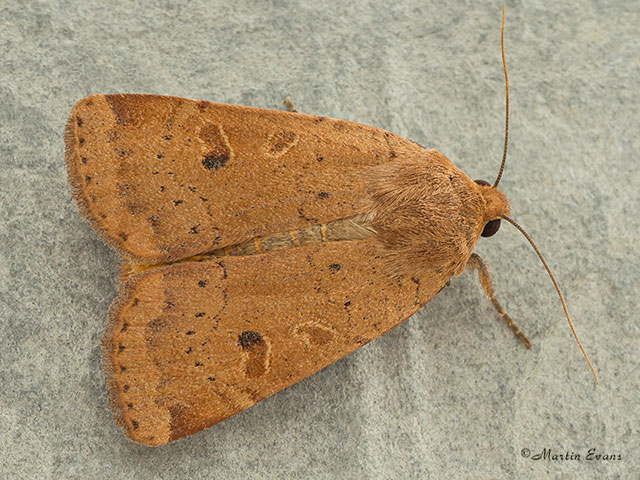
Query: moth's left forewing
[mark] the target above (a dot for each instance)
(192, 344)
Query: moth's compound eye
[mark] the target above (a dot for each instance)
(491, 228)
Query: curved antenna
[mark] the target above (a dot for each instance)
(506, 122)
(555, 284)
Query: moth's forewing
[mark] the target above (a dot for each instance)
(163, 178)
(193, 343)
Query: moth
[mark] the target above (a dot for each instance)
(260, 246)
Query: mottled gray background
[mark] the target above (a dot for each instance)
(448, 394)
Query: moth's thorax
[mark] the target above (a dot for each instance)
(428, 214)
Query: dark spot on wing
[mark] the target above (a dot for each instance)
(218, 152)
(215, 162)
(248, 339)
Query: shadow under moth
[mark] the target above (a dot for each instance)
(260, 246)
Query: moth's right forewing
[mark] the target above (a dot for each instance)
(163, 178)
(193, 343)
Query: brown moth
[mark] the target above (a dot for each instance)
(259, 246)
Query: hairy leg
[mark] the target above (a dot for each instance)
(476, 263)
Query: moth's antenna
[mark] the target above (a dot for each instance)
(555, 284)
(506, 122)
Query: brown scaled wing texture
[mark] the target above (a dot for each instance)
(193, 343)
(163, 178)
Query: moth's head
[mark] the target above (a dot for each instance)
(497, 207)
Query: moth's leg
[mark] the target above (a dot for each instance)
(476, 263)
(289, 104)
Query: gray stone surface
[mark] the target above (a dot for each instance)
(448, 394)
